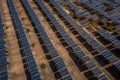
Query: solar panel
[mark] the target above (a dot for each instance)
(54, 54)
(43, 34)
(96, 71)
(73, 6)
(110, 37)
(60, 63)
(90, 65)
(80, 54)
(56, 23)
(84, 34)
(99, 7)
(68, 78)
(23, 39)
(4, 75)
(106, 54)
(36, 77)
(76, 49)
(3, 56)
(84, 22)
(85, 59)
(64, 72)
(50, 47)
(100, 49)
(103, 77)
(112, 59)
(118, 65)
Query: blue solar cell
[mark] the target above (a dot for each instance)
(90, 65)
(23, 38)
(66, 36)
(4, 75)
(3, 60)
(112, 59)
(34, 72)
(57, 25)
(47, 42)
(70, 42)
(84, 22)
(59, 62)
(103, 77)
(64, 72)
(81, 53)
(106, 54)
(73, 6)
(27, 50)
(50, 47)
(68, 78)
(22, 35)
(54, 54)
(30, 58)
(2, 46)
(91, 41)
(58, 59)
(118, 65)
(44, 36)
(85, 59)
(63, 32)
(76, 49)
(2, 52)
(110, 37)
(100, 48)
(94, 44)
(36, 77)
(96, 71)
(60, 65)
(31, 62)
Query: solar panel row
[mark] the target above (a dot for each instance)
(84, 13)
(110, 37)
(68, 39)
(32, 65)
(100, 8)
(57, 61)
(72, 6)
(85, 35)
(111, 58)
(3, 56)
(117, 65)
